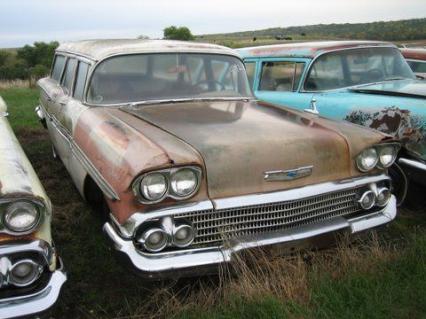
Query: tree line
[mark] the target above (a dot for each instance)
(402, 30)
(34, 61)
(31, 61)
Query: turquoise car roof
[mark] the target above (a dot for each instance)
(307, 49)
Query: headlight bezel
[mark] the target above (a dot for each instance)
(38, 205)
(378, 149)
(167, 173)
(142, 186)
(396, 148)
(359, 158)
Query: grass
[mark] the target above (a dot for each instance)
(381, 275)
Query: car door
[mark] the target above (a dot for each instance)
(58, 111)
(279, 81)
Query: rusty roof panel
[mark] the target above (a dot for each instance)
(101, 49)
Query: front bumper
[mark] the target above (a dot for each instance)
(205, 260)
(41, 299)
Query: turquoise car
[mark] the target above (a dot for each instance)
(364, 82)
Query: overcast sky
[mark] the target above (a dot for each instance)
(25, 21)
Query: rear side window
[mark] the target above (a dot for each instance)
(69, 74)
(417, 66)
(250, 68)
(80, 80)
(281, 76)
(58, 66)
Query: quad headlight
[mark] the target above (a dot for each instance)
(184, 182)
(387, 155)
(21, 216)
(177, 183)
(153, 186)
(381, 156)
(367, 160)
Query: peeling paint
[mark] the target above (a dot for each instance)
(19, 181)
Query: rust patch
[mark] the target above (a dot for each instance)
(122, 147)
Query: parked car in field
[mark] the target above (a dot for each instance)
(31, 273)
(416, 59)
(368, 83)
(194, 170)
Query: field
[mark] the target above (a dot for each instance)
(381, 275)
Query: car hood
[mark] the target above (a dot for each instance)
(408, 88)
(240, 141)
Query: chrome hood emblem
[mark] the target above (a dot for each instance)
(291, 174)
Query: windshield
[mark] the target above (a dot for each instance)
(165, 76)
(358, 66)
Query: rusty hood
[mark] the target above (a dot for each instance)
(241, 141)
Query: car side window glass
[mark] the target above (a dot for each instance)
(250, 68)
(280, 76)
(58, 66)
(68, 78)
(417, 66)
(80, 80)
(326, 74)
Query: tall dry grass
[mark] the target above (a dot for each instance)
(9, 84)
(258, 274)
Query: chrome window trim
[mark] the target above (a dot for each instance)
(415, 60)
(103, 184)
(128, 228)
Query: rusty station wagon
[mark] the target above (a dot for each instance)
(192, 168)
(31, 274)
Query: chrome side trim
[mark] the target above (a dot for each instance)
(106, 188)
(296, 193)
(412, 163)
(173, 263)
(37, 302)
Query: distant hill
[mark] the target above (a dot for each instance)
(402, 30)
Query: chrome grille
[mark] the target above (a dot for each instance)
(216, 226)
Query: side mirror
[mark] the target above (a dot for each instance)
(313, 109)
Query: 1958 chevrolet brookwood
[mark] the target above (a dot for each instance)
(192, 168)
(31, 274)
(364, 82)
